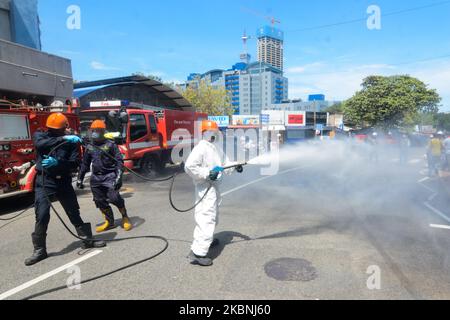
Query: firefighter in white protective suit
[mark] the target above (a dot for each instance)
(205, 166)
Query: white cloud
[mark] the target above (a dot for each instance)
(303, 68)
(100, 66)
(343, 83)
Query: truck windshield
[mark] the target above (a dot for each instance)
(14, 127)
(112, 126)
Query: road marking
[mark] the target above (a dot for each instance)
(439, 226)
(424, 179)
(439, 213)
(428, 188)
(414, 161)
(48, 275)
(262, 179)
(431, 198)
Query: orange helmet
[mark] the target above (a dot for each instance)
(57, 121)
(208, 125)
(98, 124)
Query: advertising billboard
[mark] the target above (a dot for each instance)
(295, 119)
(222, 121)
(273, 117)
(246, 120)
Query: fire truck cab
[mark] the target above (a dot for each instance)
(17, 154)
(144, 136)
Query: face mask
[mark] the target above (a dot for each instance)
(211, 137)
(97, 136)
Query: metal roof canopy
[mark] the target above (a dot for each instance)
(169, 93)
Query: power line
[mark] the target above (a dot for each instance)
(393, 13)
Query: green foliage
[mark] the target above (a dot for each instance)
(390, 102)
(150, 76)
(442, 121)
(335, 108)
(209, 99)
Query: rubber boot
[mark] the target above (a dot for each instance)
(126, 223)
(85, 232)
(108, 214)
(40, 250)
(201, 261)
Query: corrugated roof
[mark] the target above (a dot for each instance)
(84, 88)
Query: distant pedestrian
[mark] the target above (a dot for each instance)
(434, 153)
(404, 145)
(446, 144)
(373, 147)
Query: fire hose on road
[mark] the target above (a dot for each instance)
(166, 242)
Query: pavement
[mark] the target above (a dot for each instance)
(318, 230)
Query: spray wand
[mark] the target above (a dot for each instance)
(235, 166)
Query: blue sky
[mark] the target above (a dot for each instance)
(173, 38)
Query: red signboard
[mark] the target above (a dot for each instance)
(297, 119)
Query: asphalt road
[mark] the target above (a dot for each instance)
(325, 229)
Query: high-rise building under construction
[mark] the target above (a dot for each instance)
(271, 46)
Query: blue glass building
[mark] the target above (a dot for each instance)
(19, 22)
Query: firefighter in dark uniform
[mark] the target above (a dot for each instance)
(57, 168)
(106, 178)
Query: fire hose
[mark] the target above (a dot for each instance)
(121, 239)
(166, 242)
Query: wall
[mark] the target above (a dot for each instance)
(5, 28)
(26, 71)
(25, 23)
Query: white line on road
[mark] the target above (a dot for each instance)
(439, 226)
(430, 198)
(48, 275)
(439, 213)
(423, 180)
(428, 188)
(262, 179)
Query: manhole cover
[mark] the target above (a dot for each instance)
(288, 269)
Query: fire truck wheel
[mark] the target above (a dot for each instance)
(149, 166)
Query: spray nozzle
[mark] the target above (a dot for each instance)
(235, 166)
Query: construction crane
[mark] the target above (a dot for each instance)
(272, 19)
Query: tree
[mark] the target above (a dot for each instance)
(335, 108)
(209, 99)
(150, 76)
(390, 102)
(442, 121)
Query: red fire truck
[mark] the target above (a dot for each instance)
(18, 123)
(146, 138)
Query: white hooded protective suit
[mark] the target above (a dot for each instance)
(204, 158)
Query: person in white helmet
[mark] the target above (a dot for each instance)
(373, 145)
(205, 165)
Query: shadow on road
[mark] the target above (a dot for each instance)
(77, 245)
(225, 238)
(15, 204)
